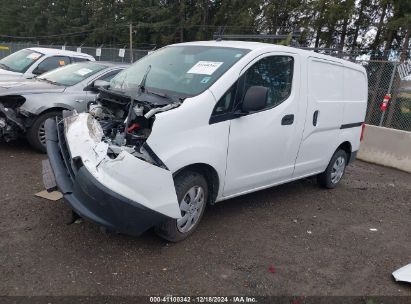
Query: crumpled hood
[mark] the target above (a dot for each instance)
(28, 86)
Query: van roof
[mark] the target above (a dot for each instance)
(51, 51)
(271, 47)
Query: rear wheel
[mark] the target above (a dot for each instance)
(36, 135)
(192, 195)
(331, 177)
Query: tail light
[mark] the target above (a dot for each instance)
(362, 131)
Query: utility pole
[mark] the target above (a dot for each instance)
(131, 43)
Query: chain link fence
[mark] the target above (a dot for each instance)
(383, 79)
(384, 82)
(105, 53)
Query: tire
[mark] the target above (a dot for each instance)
(189, 185)
(331, 177)
(36, 135)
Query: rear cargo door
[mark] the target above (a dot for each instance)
(324, 115)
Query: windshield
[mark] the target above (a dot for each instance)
(20, 61)
(182, 71)
(72, 74)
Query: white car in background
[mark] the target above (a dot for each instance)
(28, 63)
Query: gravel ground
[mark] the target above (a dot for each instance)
(295, 239)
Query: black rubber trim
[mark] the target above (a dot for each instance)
(351, 125)
(315, 118)
(222, 117)
(154, 156)
(287, 120)
(94, 201)
(63, 180)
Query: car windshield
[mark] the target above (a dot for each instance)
(181, 71)
(72, 74)
(20, 61)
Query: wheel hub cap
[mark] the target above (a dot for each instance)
(337, 170)
(42, 134)
(191, 207)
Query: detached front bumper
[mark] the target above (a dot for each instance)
(88, 196)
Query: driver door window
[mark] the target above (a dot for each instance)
(274, 73)
(51, 63)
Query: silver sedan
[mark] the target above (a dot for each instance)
(26, 104)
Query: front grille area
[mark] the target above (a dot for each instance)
(64, 151)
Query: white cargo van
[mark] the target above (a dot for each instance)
(202, 122)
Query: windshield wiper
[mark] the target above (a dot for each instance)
(142, 85)
(162, 95)
(165, 96)
(140, 91)
(48, 80)
(4, 67)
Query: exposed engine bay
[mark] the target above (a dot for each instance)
(11, 124)
(127, 122)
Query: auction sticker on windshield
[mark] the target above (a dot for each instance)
(205, 67)
(83, 71)
(33, 56)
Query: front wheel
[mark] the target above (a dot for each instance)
(335, 170)
(192, 195)
(36, 135)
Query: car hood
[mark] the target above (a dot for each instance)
(7, 75)
(28, 86)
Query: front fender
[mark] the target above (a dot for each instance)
(38, 103)
(183, 136)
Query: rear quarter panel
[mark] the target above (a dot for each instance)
(355, 105)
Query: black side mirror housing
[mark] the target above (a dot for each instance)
(255, 99)
(38, 71)
(101, 84)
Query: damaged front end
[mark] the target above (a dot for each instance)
(105, 169)
(126, 124)
(11, 124)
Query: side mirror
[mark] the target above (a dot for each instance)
(101, 84)
(37, 71)
(255, 99)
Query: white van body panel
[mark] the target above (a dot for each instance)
(329, 92)
(355, 105)
(261, 151)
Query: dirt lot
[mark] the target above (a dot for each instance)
(296, 239)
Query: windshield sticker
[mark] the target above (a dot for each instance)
(205, 67)
(205, 79)
(33, 56)
(83, 71)
(238, 55)
(62, 62)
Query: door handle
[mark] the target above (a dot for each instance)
(315, 118)
(287, 120)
